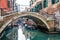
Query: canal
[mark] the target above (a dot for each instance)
(21, 32)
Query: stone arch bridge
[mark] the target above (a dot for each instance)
(34, 16)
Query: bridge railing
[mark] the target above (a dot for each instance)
(5, 13)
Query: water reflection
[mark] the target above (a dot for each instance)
(30, 34)
(21, 36)
(27, 34)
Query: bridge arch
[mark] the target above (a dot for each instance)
(34, 16)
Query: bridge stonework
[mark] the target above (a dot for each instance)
(8, 19)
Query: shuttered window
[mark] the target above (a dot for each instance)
(56, 1)
(38, 7)
(53, 1)
(45, 3)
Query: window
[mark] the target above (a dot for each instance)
(53, 1)
(45, 3)
(57, 1)
(9, 5)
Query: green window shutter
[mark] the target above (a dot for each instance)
(33, 9)
(57, 1)
(53, 1)
(38, 7)
(45, 3)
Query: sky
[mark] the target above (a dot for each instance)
(23, 2)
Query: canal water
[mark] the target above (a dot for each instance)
(22, 33)
(38, 35)
(28, 34)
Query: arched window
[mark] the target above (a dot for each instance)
(57, 1)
